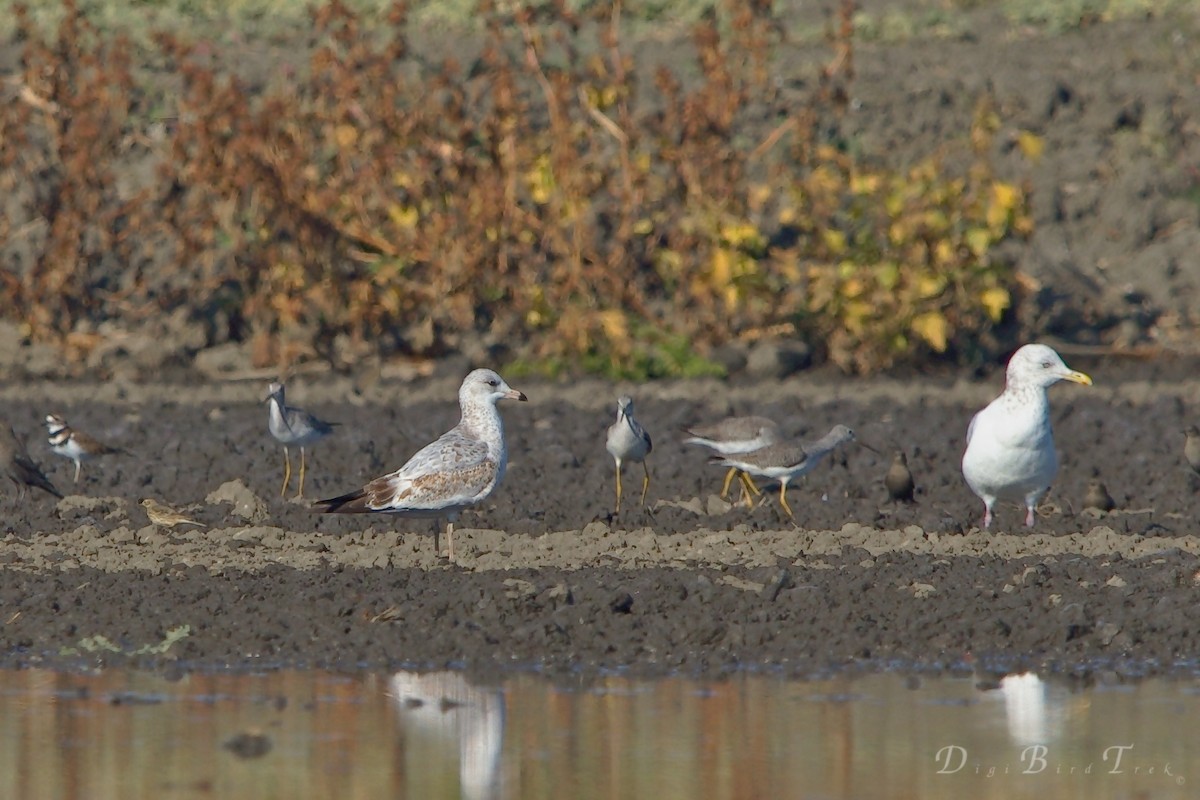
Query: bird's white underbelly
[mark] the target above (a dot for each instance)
(1010, 467)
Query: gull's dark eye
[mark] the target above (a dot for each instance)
(493, 382)
(1047, 365)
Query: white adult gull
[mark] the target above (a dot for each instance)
(1010, 451)
(785, 461)
(456, 471)
(628, 441)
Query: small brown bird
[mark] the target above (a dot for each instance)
(165, 517)
(899, 480)
(20, 468)
(1097, 497)
(75, 444)
(1191, 446)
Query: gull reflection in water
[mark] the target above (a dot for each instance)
(446, 707)
(1034, 715)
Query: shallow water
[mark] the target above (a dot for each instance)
(125, 734)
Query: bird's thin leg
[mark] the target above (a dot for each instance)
(749, 491)
(1029, 516)
(287, 472)
(645, 483)
(450, 540)
(783, 499)
(301, 492)
(618, 511)
(77, 471)
(728, 480)
(987, 516)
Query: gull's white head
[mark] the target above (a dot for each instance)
(274, 390)
(624, 406)
(1038, 365)
(485, 386)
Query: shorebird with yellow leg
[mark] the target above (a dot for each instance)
(786, 461)
(734, 435)
(628, 441)
(293, 427)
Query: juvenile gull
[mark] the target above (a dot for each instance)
(899, 480)
(628, 441)
(75, 444)
(19, 467)
(458, 470)
(1010, 451)
(293, 426)
(786, 461)
(734, 435)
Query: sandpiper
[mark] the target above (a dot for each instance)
(628, 441)
(734, 435)
(1010, 452)
(1097, 497)
(456, 471)
(899, 479)
(293, 426)
(75, 444)
(786, 461)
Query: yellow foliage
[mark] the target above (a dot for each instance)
(996, 300)
(1031, 145)
(404, 216)
(834, 240)
(615, 327)
(345, 136)
(933, 328)
(930, 285)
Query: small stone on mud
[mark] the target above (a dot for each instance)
(246, 504)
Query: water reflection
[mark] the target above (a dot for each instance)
(456, 718)
(428, 736)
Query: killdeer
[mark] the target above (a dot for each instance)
(628, 441)
(293, 426)
(75, 445)
(19, 467)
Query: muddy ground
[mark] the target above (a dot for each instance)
(545, 578)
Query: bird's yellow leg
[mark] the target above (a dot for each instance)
(749, 490)
(645, 483)
(301, 492)
(618, 487)
(287, 472)
(728, 480)
(783, 500)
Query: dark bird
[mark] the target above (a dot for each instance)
(899, 479)
(1191, 446)
(21, 469)
(1097, 497)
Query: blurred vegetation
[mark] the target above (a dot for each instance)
(542, 195)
